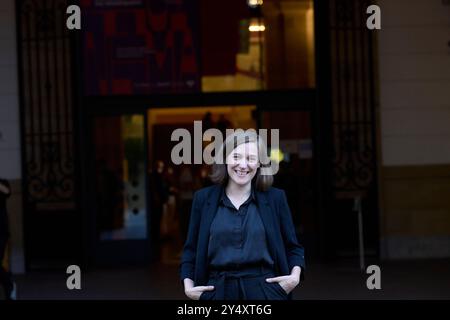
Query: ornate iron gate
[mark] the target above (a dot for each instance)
(47, 117)
(354, 172)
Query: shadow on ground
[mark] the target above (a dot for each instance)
(418, 279)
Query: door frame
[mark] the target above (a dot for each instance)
(104, 253)
(298, 100)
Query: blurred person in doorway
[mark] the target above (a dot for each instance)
(205, 180)
(159, 194)
(109, 197)
(223, 124)
(6, 280)
(207, 122)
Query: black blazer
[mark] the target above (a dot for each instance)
(275, 215)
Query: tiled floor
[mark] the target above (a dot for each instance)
(422, 279)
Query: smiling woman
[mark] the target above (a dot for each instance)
(242, 156)
(241, 243)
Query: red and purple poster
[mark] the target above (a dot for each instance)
(140, 46)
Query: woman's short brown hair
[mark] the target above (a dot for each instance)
(219, 172)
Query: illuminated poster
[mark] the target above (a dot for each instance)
(140, 46)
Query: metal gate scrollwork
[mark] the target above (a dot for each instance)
(47, 105)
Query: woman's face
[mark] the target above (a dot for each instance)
(242, 163)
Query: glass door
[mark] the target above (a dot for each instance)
(119, 185)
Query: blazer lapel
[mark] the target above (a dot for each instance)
(208, 213)
(267, 217)
(210, 210)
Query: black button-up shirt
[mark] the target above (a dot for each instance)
(237, 236)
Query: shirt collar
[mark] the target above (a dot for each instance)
(224, 198)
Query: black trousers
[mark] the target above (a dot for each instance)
(244, 284)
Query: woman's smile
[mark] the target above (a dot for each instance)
(241, 173)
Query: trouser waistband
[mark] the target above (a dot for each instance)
(221, 276)
(244, 272)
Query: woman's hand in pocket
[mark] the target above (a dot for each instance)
(288, 283)
(194, 293)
